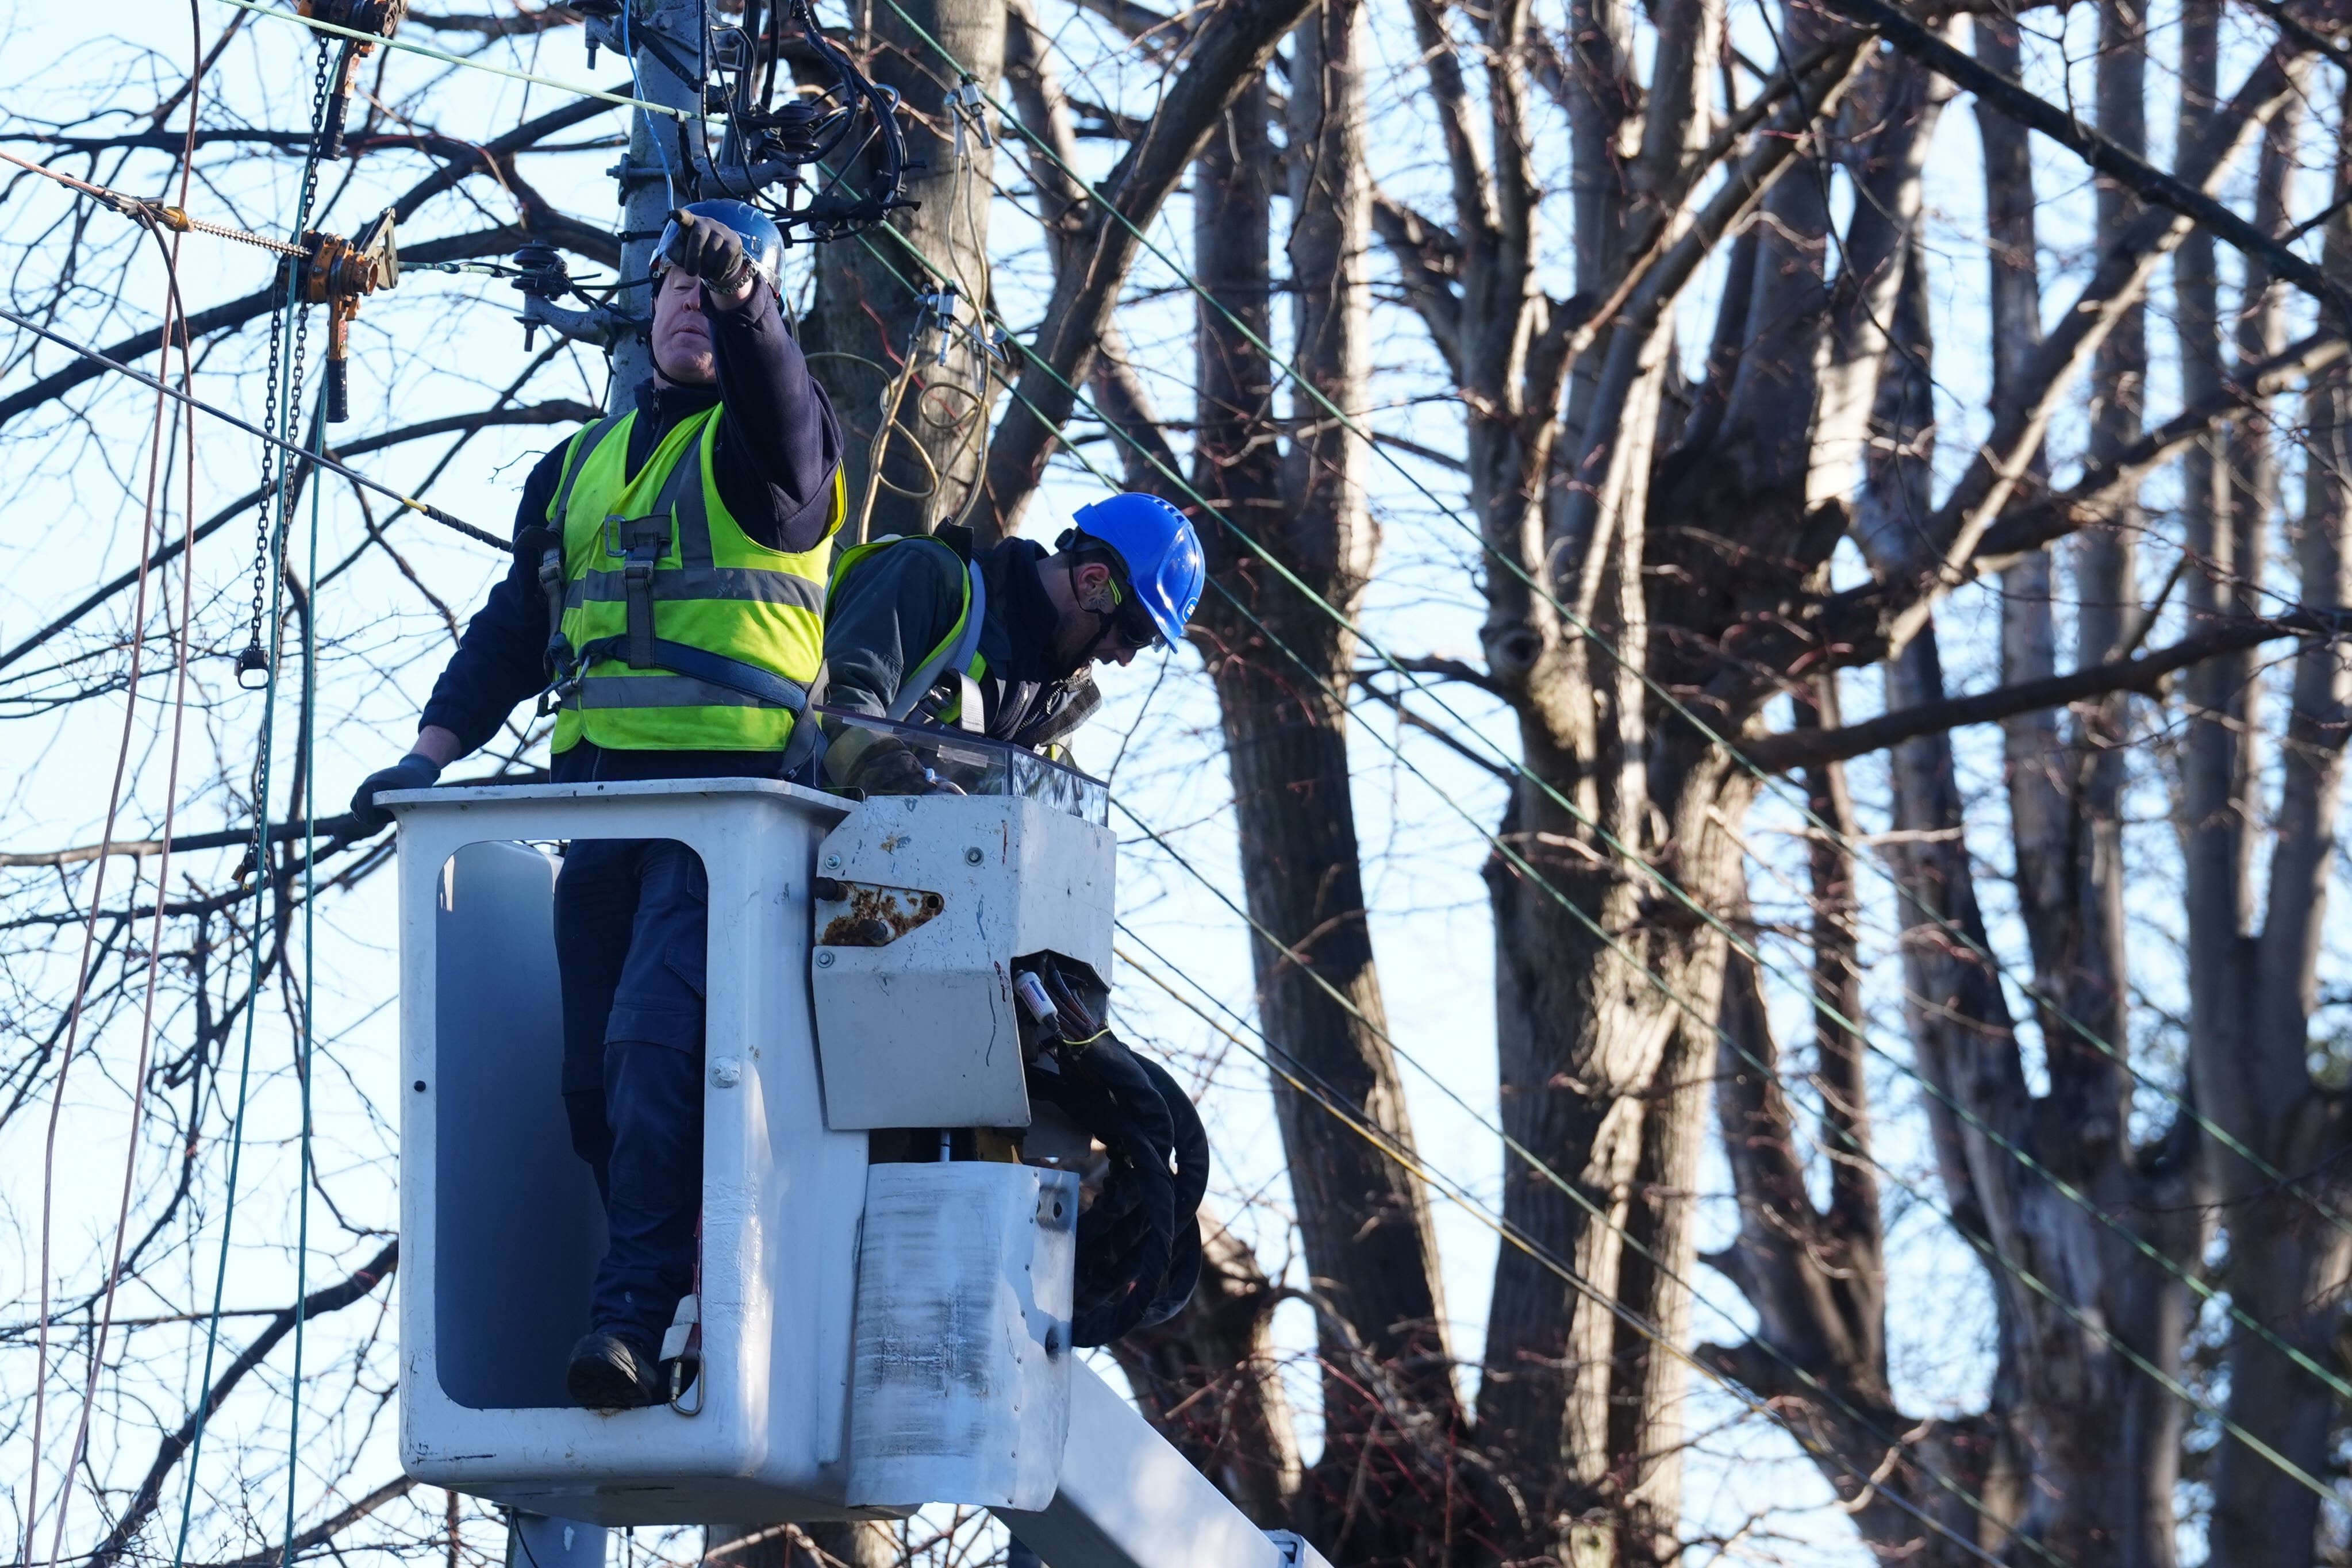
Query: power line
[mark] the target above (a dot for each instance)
(446, 58)
(1584, 628)
(320, 458)
(501, 543)
(1990, 1255)
(1330, 1101)
(1993, 1254)
(1739, 944)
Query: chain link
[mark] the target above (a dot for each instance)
(256, 660)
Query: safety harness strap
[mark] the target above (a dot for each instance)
(954, 653)
(549, 541)
(640, 542)
(765, 687)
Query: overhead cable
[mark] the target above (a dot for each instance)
(320, 458)
(1677, 996)
(446, 58)
(1328, 1099)
(1639, 669)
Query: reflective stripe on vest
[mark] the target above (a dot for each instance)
(958, 651)
(680, 632)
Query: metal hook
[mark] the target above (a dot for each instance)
(678, 1386)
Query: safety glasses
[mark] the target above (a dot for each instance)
(1129, 619)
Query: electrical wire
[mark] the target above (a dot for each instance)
(76, 1003)
(1529, 871)
(330, 463)
(669, 175)
(1819, 1003)
(1553, 1177)
(1329, 1100)
(2023, 1275)
(1610, 1303)
(482, 65)
(174, 310)
(446, 58)
(1639, 669)
(1526, 870)
(183, 632)
(263, 880)
(1576, 622)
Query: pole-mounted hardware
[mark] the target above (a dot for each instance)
(380, 17)
(339, 273)
(544, 281)
(838, 150)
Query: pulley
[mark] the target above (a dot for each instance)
(380, 18)
(339, 273)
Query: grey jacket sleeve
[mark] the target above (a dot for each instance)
(888, 614)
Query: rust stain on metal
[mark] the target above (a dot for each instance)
(879, 916)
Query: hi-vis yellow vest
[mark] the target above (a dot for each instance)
(679, 631)
(958, 653)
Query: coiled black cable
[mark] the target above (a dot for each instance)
(1140, 1241)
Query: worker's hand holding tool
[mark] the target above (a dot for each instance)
(887, 767)
(412, 772)
(709, 250)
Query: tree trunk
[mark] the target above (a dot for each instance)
(841, 1544)
(863, 323)
(2289, 1252)
(1363, 1218)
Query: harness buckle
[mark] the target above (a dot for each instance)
(639, 541)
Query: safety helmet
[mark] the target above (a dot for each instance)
(763, 242)
(1160, 552)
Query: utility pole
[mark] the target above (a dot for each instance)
(658, 158)
(673, 60)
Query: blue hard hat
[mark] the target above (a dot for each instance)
(763, 242)
(1159, 550)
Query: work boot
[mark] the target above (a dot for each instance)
(607, 1372)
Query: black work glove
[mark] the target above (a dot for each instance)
(889, 768)
(708, 249)
(412, 772)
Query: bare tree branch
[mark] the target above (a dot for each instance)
(2145, 674)
(356, 1287)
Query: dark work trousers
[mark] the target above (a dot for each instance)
(631, 919)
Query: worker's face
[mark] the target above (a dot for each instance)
(1090, 630)
(682, 353)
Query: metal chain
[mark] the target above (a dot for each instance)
(253, 664)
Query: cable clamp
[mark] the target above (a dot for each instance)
(966, 98)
